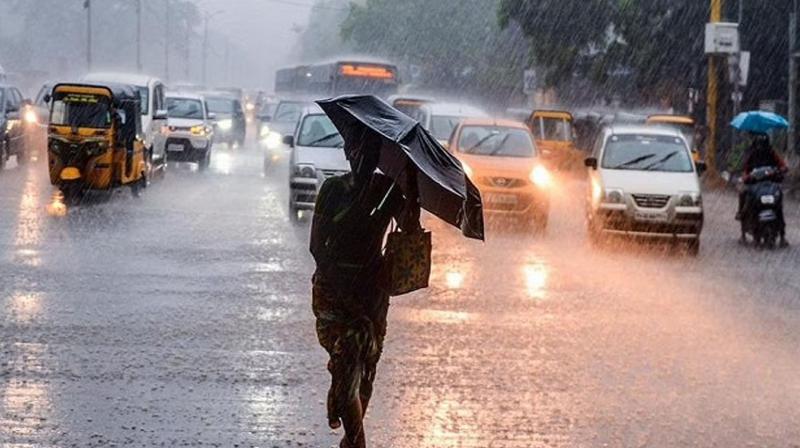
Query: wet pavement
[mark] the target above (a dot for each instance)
(183, 319)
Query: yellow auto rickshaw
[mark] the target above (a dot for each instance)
(684, 124)
(555, 139)
(94, 139)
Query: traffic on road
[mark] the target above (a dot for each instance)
(606, 269)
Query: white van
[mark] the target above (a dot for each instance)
(154, 110)
(644, 183)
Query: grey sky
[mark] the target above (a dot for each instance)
(265, 30)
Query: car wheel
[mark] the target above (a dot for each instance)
(3, 153)
(693, 247)
(203, 163)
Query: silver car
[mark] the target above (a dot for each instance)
(643, 182)
(316, 155)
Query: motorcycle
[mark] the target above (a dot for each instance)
(763, 207)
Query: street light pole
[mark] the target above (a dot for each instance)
(166, 42)
(139, 35)
(88, 6)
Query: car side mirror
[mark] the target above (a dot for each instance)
(47, 97)
(590, 162)
(288, 140)
(212, 116)
(161, 114)
(701, 167)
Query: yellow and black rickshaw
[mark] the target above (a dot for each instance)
(94, 139)
(555, 138)
(683, 123)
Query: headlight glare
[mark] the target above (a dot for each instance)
(541, 177)
(225, 125)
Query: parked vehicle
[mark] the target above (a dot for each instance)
(501, 158)
(762, 213)
(190, 129)
(13, 137)
(644, 183)
(316, 155)
(94, 139)
(153, 110)
(230, 121)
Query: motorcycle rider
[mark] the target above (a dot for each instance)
(761, 154)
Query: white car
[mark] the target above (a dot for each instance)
(189, 130)
(441, 118)
(317, 154)
(644, 183)
(154, 110)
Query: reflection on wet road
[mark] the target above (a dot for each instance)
(183, 318)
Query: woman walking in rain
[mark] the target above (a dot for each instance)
(350, 284)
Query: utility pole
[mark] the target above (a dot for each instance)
(139, 36)
(206, 18)
(791, 140)
(166, 41)
(712, 101)
(87, 5)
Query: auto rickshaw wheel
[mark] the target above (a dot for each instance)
(72, 194)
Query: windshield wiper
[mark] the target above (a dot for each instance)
(501, 145)
(322, 139)
(634, 161)
(662, 160)
(480, 142)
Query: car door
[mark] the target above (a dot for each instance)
(158, 121)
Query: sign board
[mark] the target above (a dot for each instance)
(529, 81)
(722, 38)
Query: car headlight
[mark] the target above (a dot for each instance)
(250, 107)
(690, 199)
(264, 132)
(225, 125)
(31, 117)
(614, 196)
(273, 140)
(541, 177)
(198, 130)
(305, 170)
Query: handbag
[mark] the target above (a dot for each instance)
(409, 258)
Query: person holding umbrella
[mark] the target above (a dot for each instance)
(354, 277)
(761, 154)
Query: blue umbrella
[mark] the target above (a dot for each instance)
(759, 122)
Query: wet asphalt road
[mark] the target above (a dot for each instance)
(183, 319)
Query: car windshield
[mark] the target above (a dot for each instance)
(220, 105)
(647, 153)
(81, 110)
(185, 108)
(552, 129)
(496, 141)
(288, 112)
(318, 131)
(442, 126)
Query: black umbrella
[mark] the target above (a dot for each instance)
(444, 189)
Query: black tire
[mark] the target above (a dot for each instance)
(693, 247)
(205, 161)
(3, 153)
(73, 194)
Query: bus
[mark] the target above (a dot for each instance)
(344, 76)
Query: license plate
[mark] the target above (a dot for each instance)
(501, 199)
(768, 199)
(650, 217)
(175, 148)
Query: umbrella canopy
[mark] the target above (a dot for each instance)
(444, 189)
(759, 121)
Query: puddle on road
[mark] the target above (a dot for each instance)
(24, 307)
(536, 276)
